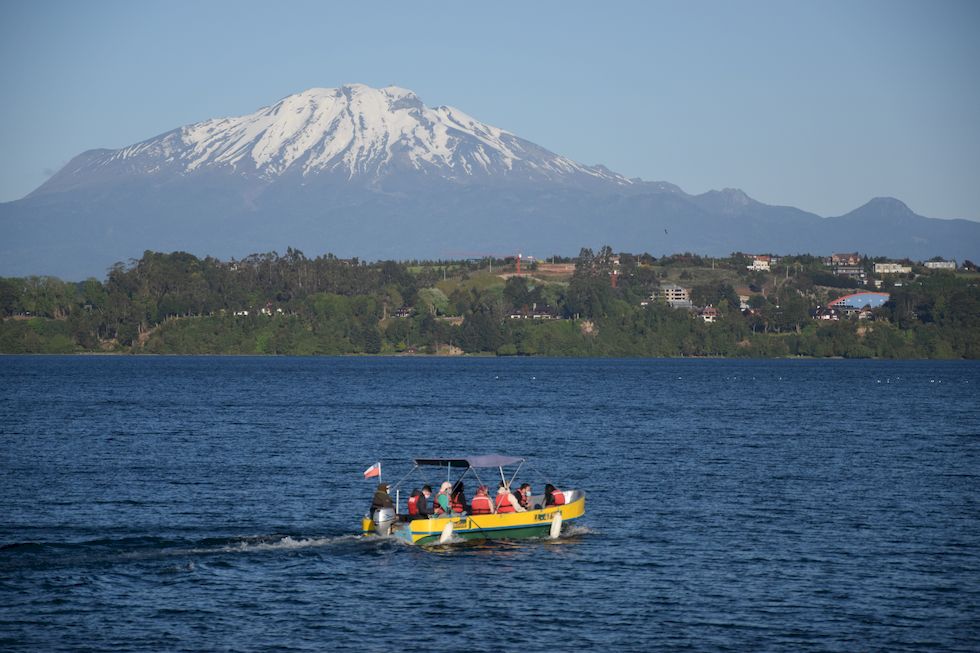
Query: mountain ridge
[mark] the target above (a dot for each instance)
(375, 173)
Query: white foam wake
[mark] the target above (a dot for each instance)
(286, 543)
(289, 542)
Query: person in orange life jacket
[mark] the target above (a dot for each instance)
(441, 505)
(553, 496)
(481, 502)
(524, 495)
(457, 500)
(507, 502)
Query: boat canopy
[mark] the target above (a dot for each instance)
(471, 461)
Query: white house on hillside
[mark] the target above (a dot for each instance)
(892, 268)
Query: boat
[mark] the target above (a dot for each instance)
(538, 521)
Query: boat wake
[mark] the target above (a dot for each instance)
(286, 543)
(108, 552)
(576, 530)
(19, 555)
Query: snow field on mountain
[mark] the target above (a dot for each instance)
(356, 130)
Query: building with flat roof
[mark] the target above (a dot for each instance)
(851, 271)
(673, 295)
(892, 268)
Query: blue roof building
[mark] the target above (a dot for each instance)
(861, 299)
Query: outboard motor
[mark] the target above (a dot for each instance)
(384, 519)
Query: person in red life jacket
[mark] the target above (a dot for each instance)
(507, 502)
(457, 500)
(441, 505)
(524, 495)
(553, 496)
(413, 505)
(481, 504)
(418, 505)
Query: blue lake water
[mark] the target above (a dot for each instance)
(158, 504)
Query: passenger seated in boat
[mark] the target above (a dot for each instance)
(441, 505)
(457, 500)
(553, 496)
(507, 502)
(412, 506)
(418, 507)
(381, 498)
(423, 505)
(481, 502)
(524, 495)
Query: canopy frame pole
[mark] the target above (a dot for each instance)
(402, 479)
(493, 508)
(460, 479)
(398, 492)
(515, 473)
(543, 477)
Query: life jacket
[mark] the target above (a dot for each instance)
(437, 507)
(456, 503)
(481, 505)
(559, 497)
(503, 503)
(413, 505)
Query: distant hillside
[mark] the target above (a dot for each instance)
(293, 305)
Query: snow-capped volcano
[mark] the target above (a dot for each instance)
(355, 131)
(374, 173)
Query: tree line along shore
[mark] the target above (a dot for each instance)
(599, 303)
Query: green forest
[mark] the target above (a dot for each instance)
(600, 303)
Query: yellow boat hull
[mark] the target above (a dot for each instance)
(533, 523)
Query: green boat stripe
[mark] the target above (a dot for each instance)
(464, 531)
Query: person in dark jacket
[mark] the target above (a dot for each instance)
(381, 498)
(424, 511)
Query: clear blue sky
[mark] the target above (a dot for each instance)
(821, 105)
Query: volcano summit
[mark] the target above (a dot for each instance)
(351, 134)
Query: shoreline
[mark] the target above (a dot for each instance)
(482, 356)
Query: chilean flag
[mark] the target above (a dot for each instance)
(373, 470)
